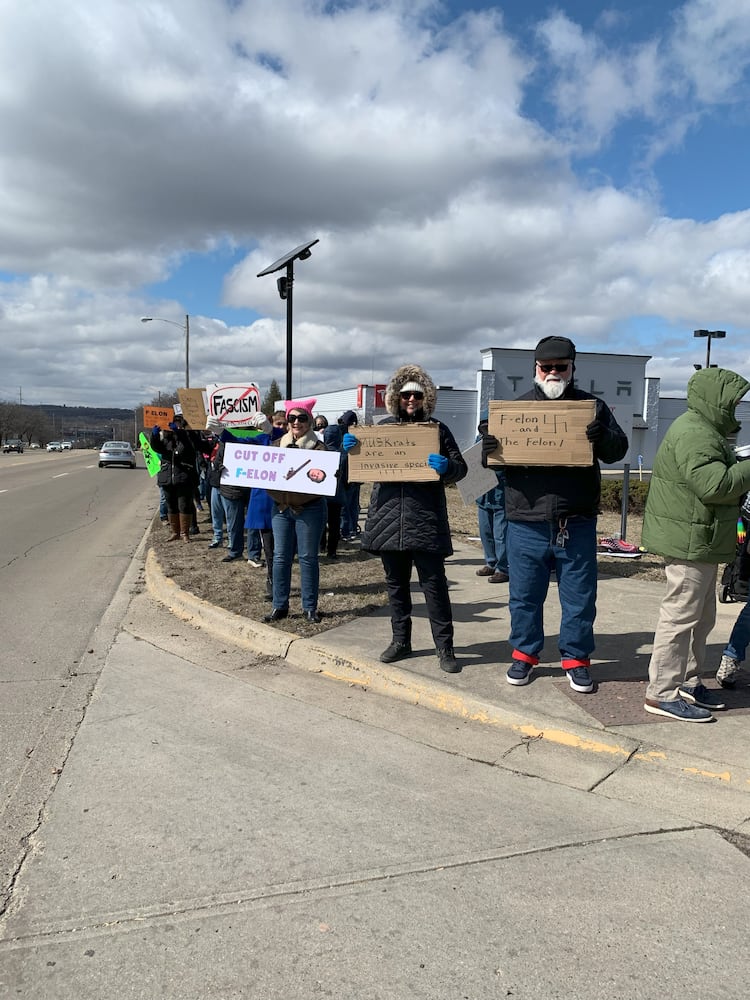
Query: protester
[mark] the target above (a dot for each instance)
(279, 421)
(551, 513)
(690, 519)
(234, 500)
(260, 508)
(215, 427)
(329, 540)
(734, 652)
(492, 524)
(176, 475)
(298, 518)
(320, 424)
(407, 522)
(350, 491)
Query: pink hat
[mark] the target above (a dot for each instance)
(300, 404)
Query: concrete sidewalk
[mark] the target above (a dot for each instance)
(700, 772)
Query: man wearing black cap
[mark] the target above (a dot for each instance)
(551, 513)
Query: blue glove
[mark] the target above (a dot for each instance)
(173, 426)
(439, 463)
(156, 429)
(349, 442)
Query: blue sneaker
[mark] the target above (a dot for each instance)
(519, 673)
(579, 679)
(679, 709)
(700, 695)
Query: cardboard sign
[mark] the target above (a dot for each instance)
(394, 453)
(193, 403)
(234, 405)
(300, 470)
(161, 415)
(477, 480)
(152, 460)
(531, 432)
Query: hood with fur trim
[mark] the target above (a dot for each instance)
(410, 373)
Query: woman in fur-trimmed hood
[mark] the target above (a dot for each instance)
(402, 378)
(407, 522)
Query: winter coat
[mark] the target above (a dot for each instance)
(177, 454)
(260, 508)
(406, 517)
(697, 482)
(551, 492)
(287, 498)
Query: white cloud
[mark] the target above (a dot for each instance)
(448, 219)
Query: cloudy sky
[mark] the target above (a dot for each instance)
(478, 175)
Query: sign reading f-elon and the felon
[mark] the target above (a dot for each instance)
(233, 404)
(541, 433)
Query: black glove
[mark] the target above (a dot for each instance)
(489, 444)
(595, 431)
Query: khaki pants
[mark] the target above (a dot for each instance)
(686, 617)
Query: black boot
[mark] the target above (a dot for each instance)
(396, 651)
(447, 661)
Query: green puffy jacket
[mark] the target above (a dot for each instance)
(693, 498)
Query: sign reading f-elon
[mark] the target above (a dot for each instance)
(234, 404)
(530, 432)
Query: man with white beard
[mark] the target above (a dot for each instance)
(551, 512)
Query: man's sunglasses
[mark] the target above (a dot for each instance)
(298, 418)
(408, 395)
(562, 367)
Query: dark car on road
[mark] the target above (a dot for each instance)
(13, 444)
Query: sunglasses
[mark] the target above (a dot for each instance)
(562, 367)
(408, 395)
(298, 418)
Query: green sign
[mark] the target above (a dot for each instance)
(153, 461)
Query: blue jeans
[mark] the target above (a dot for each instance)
(350, 510)
(532, 553)
(304, 530)
(740, 637)
(492, 531)
(254, 544)
(217, 515)
(163, 509)
(234, 512)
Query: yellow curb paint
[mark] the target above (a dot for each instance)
(573, 741)
(651, 757)
(723, 776)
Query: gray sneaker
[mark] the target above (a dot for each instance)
(728, 672)
(679, 709)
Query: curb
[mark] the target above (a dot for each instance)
(391, 681)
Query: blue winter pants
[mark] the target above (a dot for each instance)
(534, 550)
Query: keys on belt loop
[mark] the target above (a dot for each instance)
(562, 534)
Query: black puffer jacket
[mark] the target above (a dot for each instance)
(175, 448)
(550, 492)
(413, 516)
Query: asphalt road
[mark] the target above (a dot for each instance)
(69, 532)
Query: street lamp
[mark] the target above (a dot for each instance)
(284, 285)
(710, 335)
(185, 327)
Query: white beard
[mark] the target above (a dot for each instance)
(552, 388)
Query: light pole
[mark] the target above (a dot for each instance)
(710, 335)
(185, 327)
(284, 285)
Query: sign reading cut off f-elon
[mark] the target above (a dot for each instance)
(530, 432)
(294, 470)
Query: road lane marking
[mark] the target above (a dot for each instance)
(60, 475)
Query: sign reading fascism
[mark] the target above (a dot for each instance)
(234, 405)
